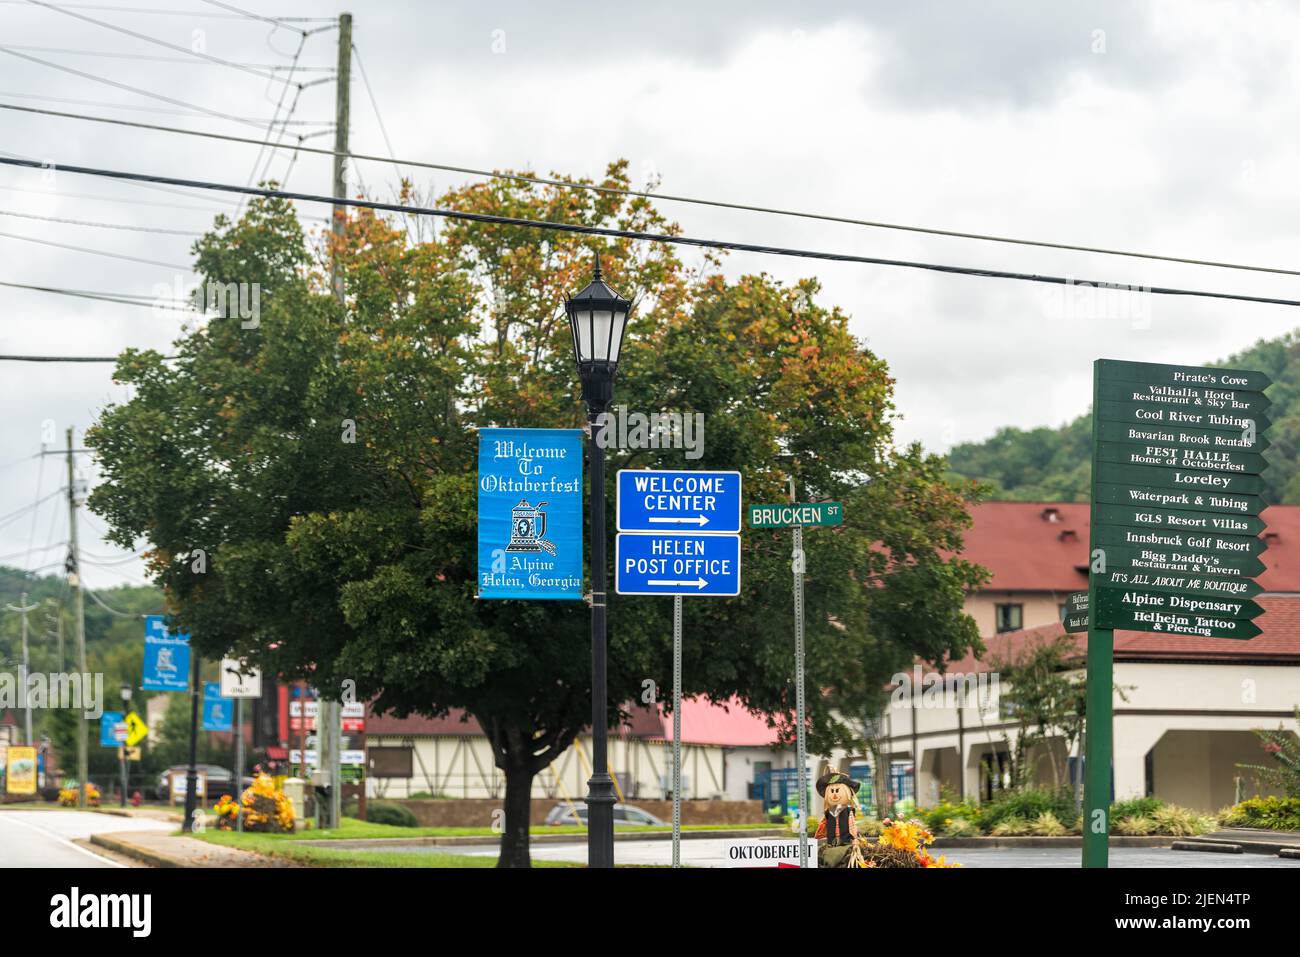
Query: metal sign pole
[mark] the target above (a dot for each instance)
(239, 760)
(801, 747)
(677, 731)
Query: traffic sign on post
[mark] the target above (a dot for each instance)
(664, 500)
(1176, 463)
(238, 680)
(790, 514)
(677, 564)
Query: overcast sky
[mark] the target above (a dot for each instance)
(1157, 127)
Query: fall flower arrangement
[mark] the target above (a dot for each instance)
(68, 796)
(900, 844)
(227, 812)
(264, 808)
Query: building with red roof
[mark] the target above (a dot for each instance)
(724, 746)
(1184, 706)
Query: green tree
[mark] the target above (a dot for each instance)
(333, 560)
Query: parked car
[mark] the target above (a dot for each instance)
(220, 780)
(625, 815)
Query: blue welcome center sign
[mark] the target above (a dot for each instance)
(218, 712)
(166, 657)
(665, 500)
(530, 513)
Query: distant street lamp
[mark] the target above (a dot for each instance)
(598, 318)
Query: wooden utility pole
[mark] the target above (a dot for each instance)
(79, 604)
(342, 112)
(328, 713)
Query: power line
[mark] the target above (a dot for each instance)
(209, 209)
(67, 12)
(124, 86)
(670, 238)
(15, 358)
(151, 58)
(159, 12)
(141, 108)
(278, 21)
(93, 252)
(123, 299)
(84, 222)
(668, 197)
(374, 105)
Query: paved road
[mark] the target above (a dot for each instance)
(708, 852)
(45, 838)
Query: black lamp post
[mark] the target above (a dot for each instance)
(598, 318)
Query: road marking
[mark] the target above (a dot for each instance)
(62, 840)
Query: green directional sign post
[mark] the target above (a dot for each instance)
(1176, 464)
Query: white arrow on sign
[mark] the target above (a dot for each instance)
(700, 520)
(698, 583)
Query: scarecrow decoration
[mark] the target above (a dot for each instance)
(837, 833)
(899, 844)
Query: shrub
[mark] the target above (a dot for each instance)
(1010, 827)
(960, 827)
(1047, 825)
(1272, 813)
(935, 817)
(1134, 825)
(1027, 805)
(869, 827)
(387, 812)
(1135, 807)
(1178, 821)
(1283, 748)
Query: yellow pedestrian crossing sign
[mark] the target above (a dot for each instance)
(136, 730)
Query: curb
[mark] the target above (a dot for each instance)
(1072, 840)
(126, 848)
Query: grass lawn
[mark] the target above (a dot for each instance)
(354, 829)
(289, 846)
(286, 846)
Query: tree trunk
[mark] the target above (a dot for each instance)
(518, 804)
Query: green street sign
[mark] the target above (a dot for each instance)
(1158, 414)
(1184, 479)
(1177, 577)
(1177, 456)
(1191, 399)
(1212, 440)
(1224, 503)
(1158, 373)
(791, 515)
(1181, 561)
(1110, 600)
(1075, 617)
(1227, 547)
(1142, 516)
(1146, 611)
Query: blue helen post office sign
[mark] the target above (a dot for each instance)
(166, 657)
(530, 513)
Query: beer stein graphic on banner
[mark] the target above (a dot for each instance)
(527, 526)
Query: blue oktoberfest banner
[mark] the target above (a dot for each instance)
(530, 513)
